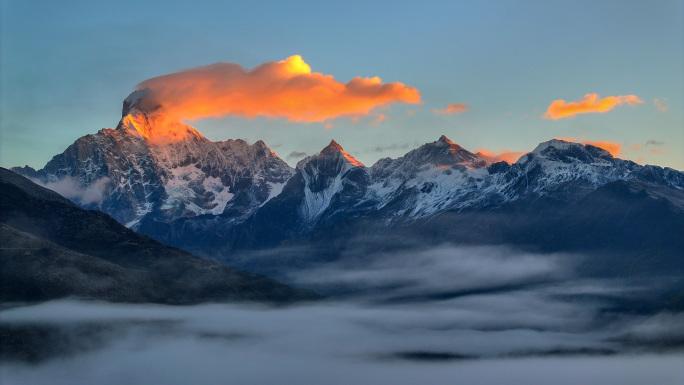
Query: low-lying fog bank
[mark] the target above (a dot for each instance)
(475, 340)
(477, 315)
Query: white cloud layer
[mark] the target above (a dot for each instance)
(336, 343)
(435, 271)
(481, 315)
(70, 188)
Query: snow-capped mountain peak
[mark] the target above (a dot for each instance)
(334, 156)
(333, 146)
(451, 153)
(444, 139)
(325, 177)
(335, 150)
(439, 156)
(132, 101)
(152, 167)
(557, 150)
(555, 143)
(444, 153)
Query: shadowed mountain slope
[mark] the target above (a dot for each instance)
(52, 248)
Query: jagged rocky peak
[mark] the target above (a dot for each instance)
(558, 144)
(459, 153)
(441, 154)
(140, 101)
(262, 150)
(445, 140)
(445, 152)
(132, 101)
(334, 153)
(567, 152)
(333, 147)
(240, 151)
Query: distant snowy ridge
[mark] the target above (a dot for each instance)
(442, 176)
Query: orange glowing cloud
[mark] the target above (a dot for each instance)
(615, 149)
(561, 109)
(158, 129)
(509, 157)
(452, 109)
(285, 89)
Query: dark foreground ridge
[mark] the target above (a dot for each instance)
(52, 249)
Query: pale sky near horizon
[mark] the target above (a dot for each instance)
(65, 68)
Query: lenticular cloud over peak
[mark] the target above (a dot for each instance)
(284, 89)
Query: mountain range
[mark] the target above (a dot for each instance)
(223, 199)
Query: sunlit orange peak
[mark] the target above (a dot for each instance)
(136, 123)
(296, 65)
(351, 159)
(335, 147)
(158, 130)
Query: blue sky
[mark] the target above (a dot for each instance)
(67, 66)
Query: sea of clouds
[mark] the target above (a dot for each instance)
(471, 315)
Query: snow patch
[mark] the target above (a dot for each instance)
(189, 188)
(274, 190)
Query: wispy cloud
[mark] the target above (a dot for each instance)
(389, 147)
(452, 109)
(590, 104)
(441, 270)
(614, 148)
(654, 147)
(378, 119)
(296, 155)
(661, 104)
(500, 155)
(70, 187)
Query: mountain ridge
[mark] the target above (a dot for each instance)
(214, 197)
